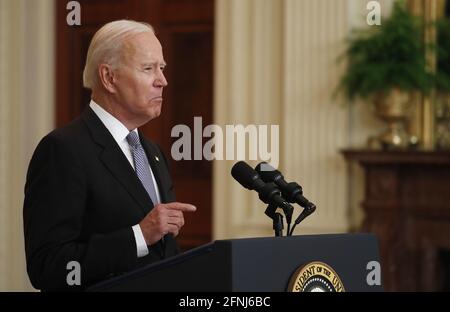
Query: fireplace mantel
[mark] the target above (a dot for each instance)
(407, 205)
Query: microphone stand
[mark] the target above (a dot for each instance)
(278, 224)
(277, 219)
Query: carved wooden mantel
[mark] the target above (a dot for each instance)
(407, 205)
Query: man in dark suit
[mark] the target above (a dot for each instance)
(97, 192)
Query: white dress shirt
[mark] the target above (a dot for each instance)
(119, 133)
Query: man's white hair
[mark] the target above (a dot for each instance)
(106, 46)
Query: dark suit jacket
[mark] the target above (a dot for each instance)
(82, 197)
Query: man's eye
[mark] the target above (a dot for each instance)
(147, 68)
(162, 68)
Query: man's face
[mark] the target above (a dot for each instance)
(140, 79)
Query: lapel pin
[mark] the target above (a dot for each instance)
(156, 157)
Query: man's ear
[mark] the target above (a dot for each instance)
(107, 78)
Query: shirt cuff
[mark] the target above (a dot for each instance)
(141, 245)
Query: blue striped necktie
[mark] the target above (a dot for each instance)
(141, 165)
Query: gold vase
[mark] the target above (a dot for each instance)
(393, 108)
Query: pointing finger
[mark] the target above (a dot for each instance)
(181, 206)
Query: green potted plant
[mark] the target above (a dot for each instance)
(386, 66)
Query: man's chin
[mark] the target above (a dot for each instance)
(155, 112)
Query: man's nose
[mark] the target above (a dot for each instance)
(161, 81)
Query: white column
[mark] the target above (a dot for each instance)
(316, 126)
(26, 114)
(248, 83)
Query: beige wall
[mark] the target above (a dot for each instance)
(26, 114)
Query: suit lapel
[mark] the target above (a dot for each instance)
(116, 162)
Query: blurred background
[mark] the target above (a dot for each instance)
(263, 62)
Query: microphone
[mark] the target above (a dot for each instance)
(268, 192)
(291, 191)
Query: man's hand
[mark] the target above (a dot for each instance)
(164, 219)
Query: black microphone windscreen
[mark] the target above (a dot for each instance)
(245, 175)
